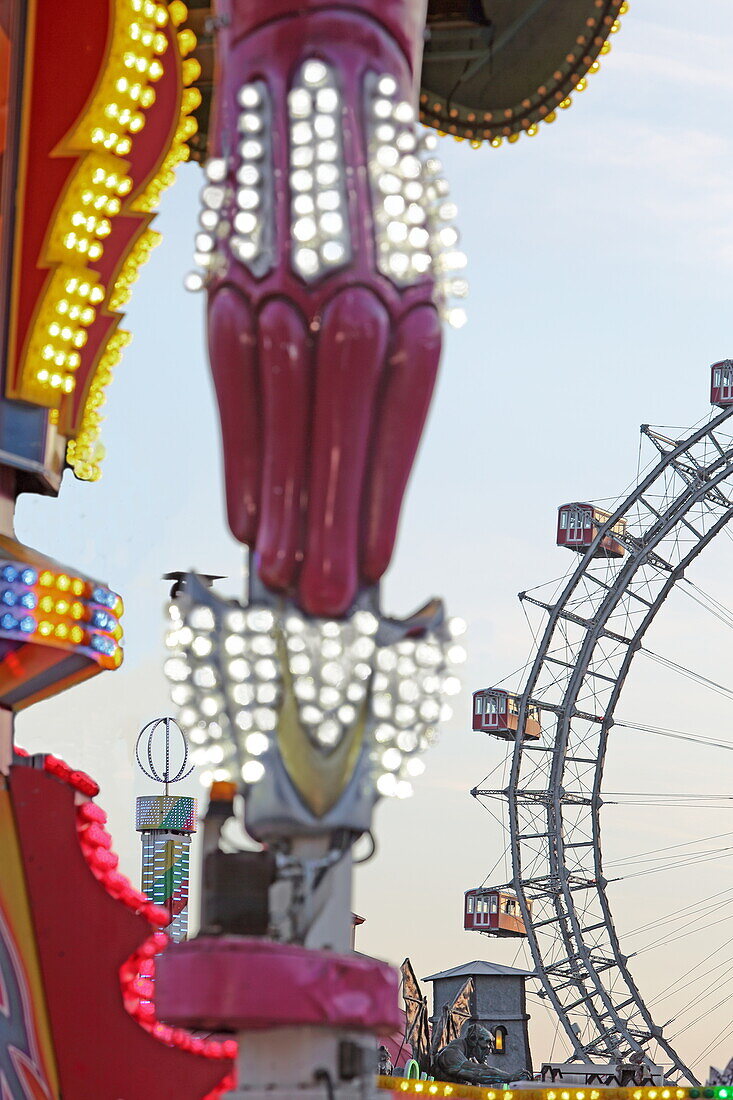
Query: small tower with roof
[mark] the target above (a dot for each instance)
(499, 1004)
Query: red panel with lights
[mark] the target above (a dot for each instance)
(96, 941)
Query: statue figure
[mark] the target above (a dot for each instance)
(464, 1059)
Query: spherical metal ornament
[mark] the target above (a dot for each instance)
(160, 731)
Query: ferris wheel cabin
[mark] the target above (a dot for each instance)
(493, 911)
(578, 524)
(497, 712)
(721, 383)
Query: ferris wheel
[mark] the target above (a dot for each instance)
(561, 718)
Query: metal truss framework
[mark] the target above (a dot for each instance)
(591, 635)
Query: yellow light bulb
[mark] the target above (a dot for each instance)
(76, 635)
(45, 628)
(63, 582)
(61, 630)
(178, 12)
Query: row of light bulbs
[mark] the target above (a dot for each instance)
(414, 219)
(226, 678)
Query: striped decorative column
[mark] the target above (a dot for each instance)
(167, 823)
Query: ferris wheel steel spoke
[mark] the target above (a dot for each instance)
(592, 633)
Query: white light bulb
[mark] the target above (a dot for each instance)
(305, 689)
(430, 710)
(327, 100)
(304, 230)
(385, 132)
(300, 664)
(421, 261)
(266, 669)
(314, 73)
(386, 660)
(302, 156)
(243, 720)
(447, 211)
(311, 715)
(204, 677)
(244, 249)
(193, 281)
(328, 151)
(329, 697)
(265, 718)
(306, 260)
(387, 156)
(251, 149)
(209, 219)
(327, 175)
(243, 694)
(245, 222)
(247, 199)
(389, 184)
(234, 645)
(387, 784)
(387, 85)
(456, 317)
(250, 123)
(260, 619)
(398, 264)
(266, 693)
(394, 205)
(249, 96)
(301, 180)
(328, 732)
(204, 242)
(253, 771)
(324, 126)
(216, 169)
(333, 252)
(397, 232)
(201, 645)
(346, 714)
(176, 669)
(406, 142)
(248, 174)
(410, 167)
(328, 200)
(256, 743)
(301, 133)
(300, 103)
(303, 205)
(384, 732)
(407, 740)
(239, 669)
(382, 705)
(419, 237)
(404, 714)
(403, 789)
(365, 622)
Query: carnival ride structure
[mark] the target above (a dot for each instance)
(590, 632)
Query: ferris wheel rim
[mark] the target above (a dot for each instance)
(588, 983)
